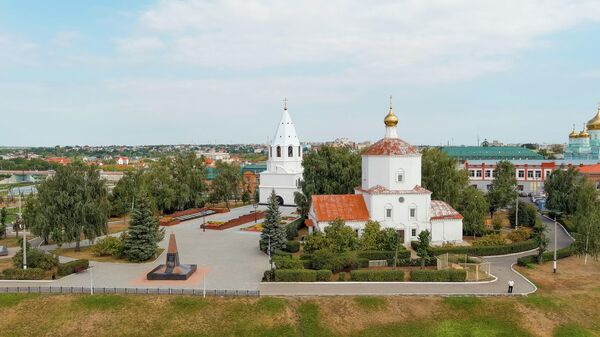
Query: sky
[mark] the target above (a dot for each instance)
(196, 71)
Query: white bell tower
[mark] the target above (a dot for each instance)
(284, 166)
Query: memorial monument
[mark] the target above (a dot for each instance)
(172, 270)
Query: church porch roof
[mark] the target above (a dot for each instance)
(348, 207)
(441, 211)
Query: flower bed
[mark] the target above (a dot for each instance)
(214, 224)
(254, 228)
(168, 221)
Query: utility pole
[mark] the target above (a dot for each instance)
(555, 230)
(24, 235)
(517, 213)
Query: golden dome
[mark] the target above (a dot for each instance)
(594, 123)
(390, 119)
(573, 133)
(584, 134)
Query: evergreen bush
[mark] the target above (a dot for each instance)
(73, 267)
(377, 275)
(324, 275)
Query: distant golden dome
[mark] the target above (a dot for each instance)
(594, 123)
(390, 119)
(584, 134)
(573, 134)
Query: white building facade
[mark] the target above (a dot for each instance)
(391, 194)
(284, 166)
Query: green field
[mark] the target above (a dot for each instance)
(566, 305)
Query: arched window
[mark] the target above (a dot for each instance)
(278, 151)
(412, 211)
(400, 176)
(290, 151)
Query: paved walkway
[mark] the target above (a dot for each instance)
(501, 267)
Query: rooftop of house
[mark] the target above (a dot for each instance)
(490, 152)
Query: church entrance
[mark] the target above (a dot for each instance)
(279, 201)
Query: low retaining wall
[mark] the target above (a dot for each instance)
(237, 221)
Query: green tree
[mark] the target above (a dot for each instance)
(539, 237)
(527, 214)
(441, 176)
(341, 237)
(144, 232)
(561, 187)
(272, 229)
(302, 204)
(246, 195)
(71, 204)
(123, 194)
(504, 186)
(256, 196)
(388, 239)
(473, 206)
(226, 185)
(3, 217)
(371, 236)
(161, 185)
(587, 221)
(424, 240)
(189, 180)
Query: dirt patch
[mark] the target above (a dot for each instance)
(572, 276)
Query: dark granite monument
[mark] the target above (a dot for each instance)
(172, 270)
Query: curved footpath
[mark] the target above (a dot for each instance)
(501, 267)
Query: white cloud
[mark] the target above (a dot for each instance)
(393, 41)
(139, 45)
(16, 51)
(66, 38)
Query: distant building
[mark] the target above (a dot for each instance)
(214, 155)
(591, 173)
(122, 160)
(585, 144)
(59, 160)
(462, 153)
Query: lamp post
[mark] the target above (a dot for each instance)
(24, 235)
(555, 230)
(255, 205)
(517, 212)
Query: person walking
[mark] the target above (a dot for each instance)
(511, 284)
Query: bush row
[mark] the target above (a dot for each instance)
(23, 274)
(292, 246)
(429, 261)
(72, 267)
(516, 247)
(547, 256)
(300, 275)
(376, 275)
(438, 275)
(383, 254)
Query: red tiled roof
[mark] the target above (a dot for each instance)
(441, 210)
(590, 169)
(308, 223)
(391, 146)
(348, 207)
(382, 190)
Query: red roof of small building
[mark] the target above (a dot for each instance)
(391, 146)
(441, 210)
(378, 189)
(590, 169)
(348, 207)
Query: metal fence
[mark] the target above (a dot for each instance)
(477, 268)
(139, 291)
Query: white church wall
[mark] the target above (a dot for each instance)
(384, 170)
(446, 230)
(400, 212)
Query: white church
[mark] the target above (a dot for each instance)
(390, 193)
(284, 166)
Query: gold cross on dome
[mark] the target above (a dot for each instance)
(390, 102)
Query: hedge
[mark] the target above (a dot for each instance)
(72, 267)
(281, 253)
(287, 262)
(23, 274)
(383, 254)
(429, 261)
(342, 276)
(324, 275)
(377, 275)
(327, 259)
(292, 246)
(292, 228)
(363, 263)
(438, 275)
(268, 276)
(547, 256)
(295, 275)
(516, 247)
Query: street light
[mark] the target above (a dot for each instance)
(255, 205)
(555, 230)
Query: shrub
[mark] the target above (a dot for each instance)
(342, 276)
(23, 274)
(383, 254)
(527, 214)
(72, 267)
(347, 260)
(108, 246)
(497, 221)
(292, 246)
(324, 275)
(377, 275)
(279, 252)
(518, 235)
(327, 259)
(547, 256)
(292, 228)
(429, 261)
(516, 247)
(363, 263)
(287, 262)
(268, 276)
(438, 275)
(36, 258)
(295, 275)
(490, 240)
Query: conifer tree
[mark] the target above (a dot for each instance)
(271, 227)
(144, 232)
